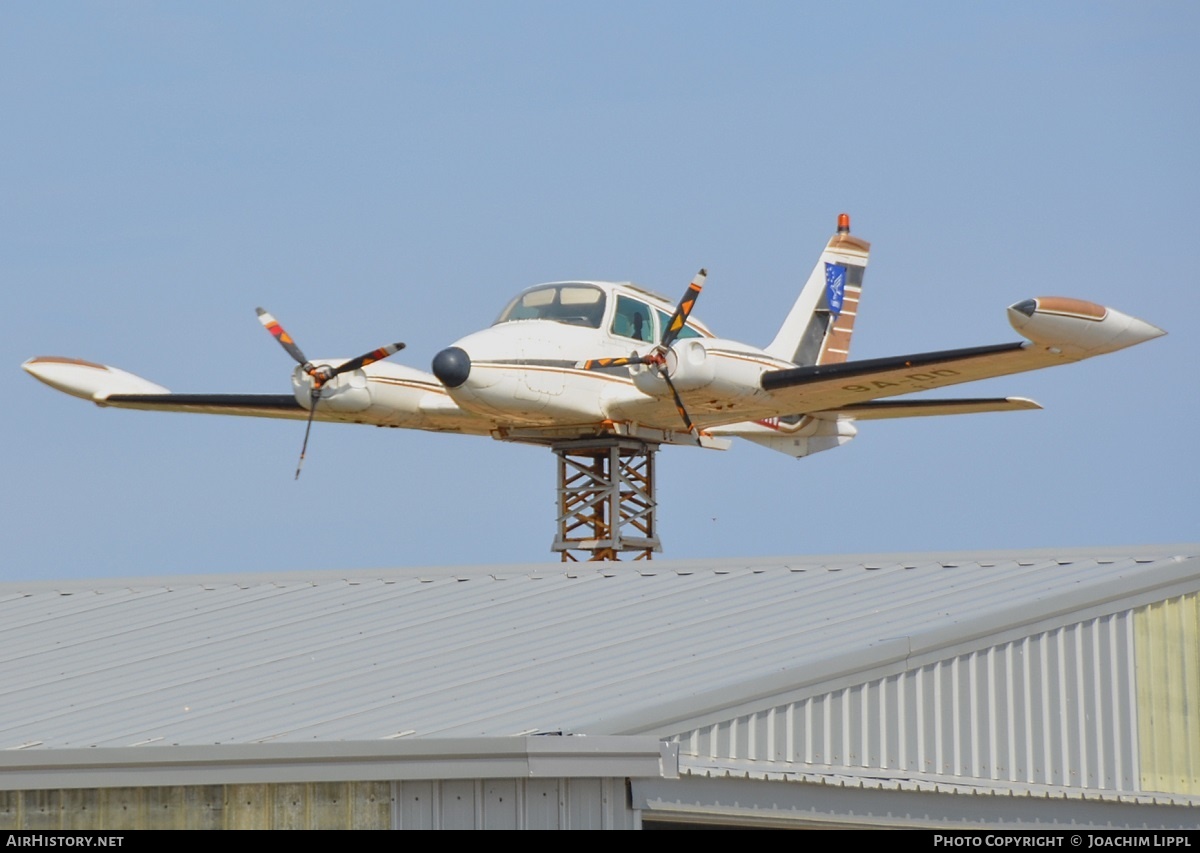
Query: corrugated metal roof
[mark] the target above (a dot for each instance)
(497, 651)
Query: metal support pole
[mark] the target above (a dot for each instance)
(606, 499)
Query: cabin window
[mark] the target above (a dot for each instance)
(632, 320)
(573, 304)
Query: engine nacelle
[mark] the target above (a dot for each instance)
(348, 392)
(726, 369)
(1076, 327)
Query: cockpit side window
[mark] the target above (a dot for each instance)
(632, 320)
(573, 304)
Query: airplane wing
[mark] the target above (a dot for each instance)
(826, 387)
(1060, 331)
(111, 386)
(392, 395)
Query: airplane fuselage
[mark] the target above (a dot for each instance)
(529, 371)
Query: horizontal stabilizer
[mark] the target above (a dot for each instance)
(881, 409)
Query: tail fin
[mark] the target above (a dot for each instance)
(818, 328)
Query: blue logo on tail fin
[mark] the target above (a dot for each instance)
(835, 287)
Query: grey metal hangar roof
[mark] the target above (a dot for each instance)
(1016, 668)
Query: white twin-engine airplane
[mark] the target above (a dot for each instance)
(580, 359)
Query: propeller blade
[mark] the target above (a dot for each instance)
(599, 363)
(313, 396)
(684, 309)
(679, 406)
(277, 331)
(370, 358)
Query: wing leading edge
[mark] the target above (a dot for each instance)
(249, 405)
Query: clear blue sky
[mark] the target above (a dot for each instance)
(395, 171)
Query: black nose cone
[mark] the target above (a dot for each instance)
(1027, 307)
(452, 366)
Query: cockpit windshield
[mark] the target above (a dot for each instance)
(574, 304)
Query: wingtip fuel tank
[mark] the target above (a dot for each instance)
(1077, 327)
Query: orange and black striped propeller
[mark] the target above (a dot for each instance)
(674, 326)
(321, 374)
(598, 363)
(684, 309)
(687, 421)
(657, 357)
